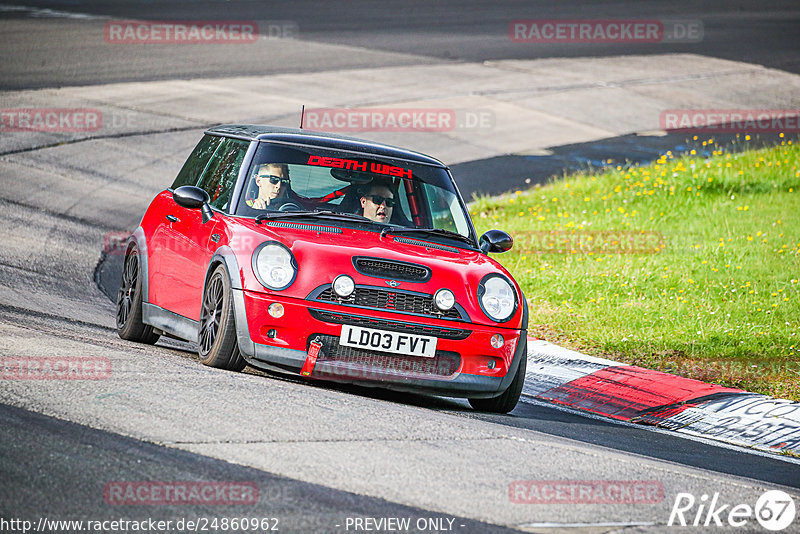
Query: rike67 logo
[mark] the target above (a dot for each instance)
(774, 511)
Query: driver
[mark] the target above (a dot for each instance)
(378, 202)
(273, 182)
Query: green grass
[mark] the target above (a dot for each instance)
(715, 294)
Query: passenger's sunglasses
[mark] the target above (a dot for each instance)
(378, 200)
(274, 180)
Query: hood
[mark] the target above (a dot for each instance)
(323, 251)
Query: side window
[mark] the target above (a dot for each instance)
(222, 171)
(194, 166)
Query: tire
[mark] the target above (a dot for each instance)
(217, 335)
(506, 401)
(129, 302)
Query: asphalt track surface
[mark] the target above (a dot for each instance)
(79, 457)
(317, 453)
(42, 52)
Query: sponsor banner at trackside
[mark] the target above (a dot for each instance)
(750, 420)
(643, 396)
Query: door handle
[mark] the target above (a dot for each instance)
(172, 218)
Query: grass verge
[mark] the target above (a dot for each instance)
(689, 265)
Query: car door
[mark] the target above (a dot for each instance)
(194, 242)
(162, 231)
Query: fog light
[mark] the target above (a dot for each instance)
(343, 285)
(491, 364)
(497, 341)
(444, 299)
(276, 310)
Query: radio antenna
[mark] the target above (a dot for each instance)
(302, 114)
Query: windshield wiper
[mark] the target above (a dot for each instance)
(434, 231)
(325, 214)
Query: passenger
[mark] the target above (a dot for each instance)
(378, 202)
(273, 182)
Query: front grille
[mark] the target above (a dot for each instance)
(381, 324)
(351, 363)
(391, 300)
(396, 270)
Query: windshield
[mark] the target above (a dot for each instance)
(386, 192)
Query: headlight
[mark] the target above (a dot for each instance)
(497, 298)
(274, 265)
(444, 299)
(343, 285)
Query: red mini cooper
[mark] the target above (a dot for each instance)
(330, 257)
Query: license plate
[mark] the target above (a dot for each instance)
(393, 342)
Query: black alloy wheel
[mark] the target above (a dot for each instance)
(216, 337)
(129, 302)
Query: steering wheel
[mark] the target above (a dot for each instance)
(290, 206)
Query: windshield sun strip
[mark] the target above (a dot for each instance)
(438, 165)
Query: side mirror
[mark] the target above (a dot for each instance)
(495, 241)
(191, 197)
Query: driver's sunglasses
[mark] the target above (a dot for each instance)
(378, 200)
(274, 180)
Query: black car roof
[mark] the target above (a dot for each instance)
(253, 132)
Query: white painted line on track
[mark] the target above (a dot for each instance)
(587, 525)
(37, 12)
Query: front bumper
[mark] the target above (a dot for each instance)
(466, 365)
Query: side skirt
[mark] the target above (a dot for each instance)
(170, 322)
